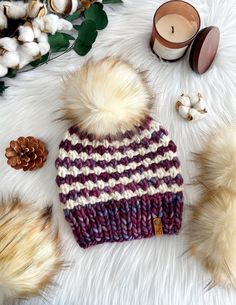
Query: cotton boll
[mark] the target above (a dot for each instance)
(31, 49)
(37, 31)
(63, 6)
(195, 98)
(185, 100)
(43, 37)
(24, 59)
(44, 47)
(10, 59)
(3, 20)
(26, 33)
(191, 107)
(48, 23)
(74, 6)
(51, 23)
(9, 44)
(196, 115)
(3, 70)
(36, 8)
(65, 25)
(15, 10)
(58, 6)
(38, 23)
(184, 111)
(200, 106)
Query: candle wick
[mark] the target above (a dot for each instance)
(172, 29)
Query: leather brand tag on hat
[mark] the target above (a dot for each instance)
(157, 226)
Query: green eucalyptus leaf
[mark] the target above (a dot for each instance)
(98, 15)
(77, 27)
(70, 37)
(58, 42)
(111, 1)
(81, 48)
(87, 32)
(73, 17)
(2, 87)
(39, 61)
(98, 4)
(11, 73)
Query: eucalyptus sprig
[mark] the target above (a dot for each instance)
(93, 19)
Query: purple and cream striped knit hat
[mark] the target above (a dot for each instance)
(118, 186)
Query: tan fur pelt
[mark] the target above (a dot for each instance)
(211, 230)
(106, 97)
(30, 253)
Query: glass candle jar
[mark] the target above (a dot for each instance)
(175, 25)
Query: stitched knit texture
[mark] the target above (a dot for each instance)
(113, 189)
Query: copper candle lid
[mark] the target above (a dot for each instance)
(204, 49)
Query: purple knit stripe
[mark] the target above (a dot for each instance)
(126, 224)
(172, 212)
(121, 188)
(115, 219)
(105, 177)
(146, 225)
(95, 228)
(126, 219)
(101, 149)
(166, 165)
(134, 218)
(67, 162)
(145, 125)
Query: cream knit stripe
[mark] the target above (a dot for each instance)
(154, 126)
(73, 154)
(90, 185)
(104, 197)
(74, 171)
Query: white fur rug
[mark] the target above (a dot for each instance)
(144, 272)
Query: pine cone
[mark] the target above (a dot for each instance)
(26, 153)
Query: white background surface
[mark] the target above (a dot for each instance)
(144, 272)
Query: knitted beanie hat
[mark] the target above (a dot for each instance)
(118, 171)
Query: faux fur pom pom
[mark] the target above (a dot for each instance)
(29, 251)
(218, 160)
(212, 226)
(212, 236)
(106, 97)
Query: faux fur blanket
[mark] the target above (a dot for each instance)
(143, 272)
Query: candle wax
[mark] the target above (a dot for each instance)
(176, 28)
